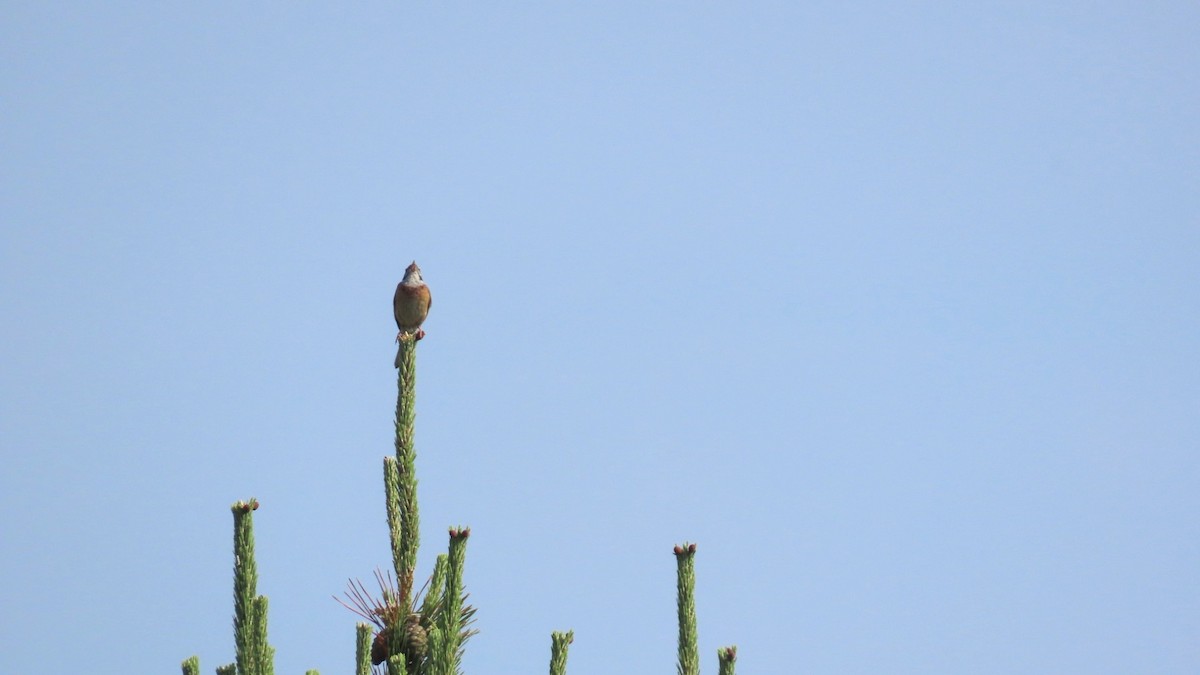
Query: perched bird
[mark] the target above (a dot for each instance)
(411, 303)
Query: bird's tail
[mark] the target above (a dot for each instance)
(399, 349)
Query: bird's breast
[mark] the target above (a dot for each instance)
(411, 305)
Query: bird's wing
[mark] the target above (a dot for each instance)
(396, 306)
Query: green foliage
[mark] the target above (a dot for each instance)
(422, 635)
(403, 560)
(437, 585)
(422, 632)
(254, 655)
(689, 650)
(726, 658)
(396, 666)
(265, 653)
(404, 523)
(559, 641)
(453, 623)
(362, 656)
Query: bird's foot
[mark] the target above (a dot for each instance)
(410, 335)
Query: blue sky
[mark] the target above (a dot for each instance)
(892, 309)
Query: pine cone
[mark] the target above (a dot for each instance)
(414, 640)
(379, 648)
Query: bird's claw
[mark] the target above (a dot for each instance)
(416, 335)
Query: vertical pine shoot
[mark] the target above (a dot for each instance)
(230, 669)
(454, 620)
(254, 655)
(395, 638)
(437, 586)
(406, 537)
(689, 651)
(558, 651)
(441, 659)
(191, 666)
(265, 652)
(395, 520)
(362, 653)
(245, 586)
(727, 658)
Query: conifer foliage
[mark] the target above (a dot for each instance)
(408, 630)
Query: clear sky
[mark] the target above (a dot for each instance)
(894, 310)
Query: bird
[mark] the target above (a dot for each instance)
(411, 304)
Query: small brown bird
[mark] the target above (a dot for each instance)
(411, 304)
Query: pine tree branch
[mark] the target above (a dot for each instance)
(726, 659)
(559, 641)
(249, 615)
(454, 617)
(406, 536)
(362, 653)
(689, 651)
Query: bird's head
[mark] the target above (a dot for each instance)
(412, 275)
